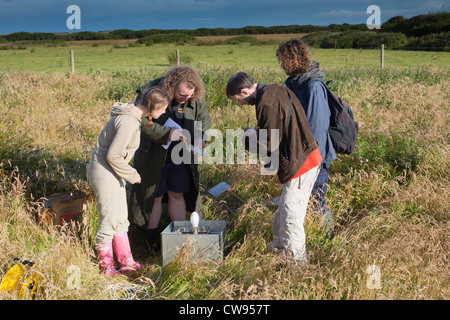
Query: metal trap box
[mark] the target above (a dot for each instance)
(207, 244)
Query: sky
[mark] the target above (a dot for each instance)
(100, 15)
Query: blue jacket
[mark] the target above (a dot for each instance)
(310, 90)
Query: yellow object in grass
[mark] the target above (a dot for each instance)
(18, 280)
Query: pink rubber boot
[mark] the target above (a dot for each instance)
(122, 249)
(106, 259)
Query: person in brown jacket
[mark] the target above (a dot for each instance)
(280, 114)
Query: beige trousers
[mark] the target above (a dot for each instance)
(111, 197)
(287, 224)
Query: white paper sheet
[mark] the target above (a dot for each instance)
(171, 124)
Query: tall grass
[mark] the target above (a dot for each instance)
(389, 199)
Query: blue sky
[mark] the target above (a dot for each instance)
(99, 15)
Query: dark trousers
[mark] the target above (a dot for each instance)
(320, 189)
(319, 203)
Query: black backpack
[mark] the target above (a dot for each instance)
(343, 127)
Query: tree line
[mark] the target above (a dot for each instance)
(139, 34)
(430, 31)
(423, 32)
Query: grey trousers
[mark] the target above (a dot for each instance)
(287, 224)
(111, 197)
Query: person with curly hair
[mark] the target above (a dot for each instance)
(306, 81)
(168, 175)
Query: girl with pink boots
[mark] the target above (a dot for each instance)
(108, 172)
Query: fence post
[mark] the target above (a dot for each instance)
(177, 56)
(382, 57)
(72, 62)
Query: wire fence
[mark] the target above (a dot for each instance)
(74, 62)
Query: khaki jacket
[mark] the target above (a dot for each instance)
(118, 141)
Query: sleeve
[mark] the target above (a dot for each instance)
(317, 112)
(267, 121)
(204, 117)
(157, 132)
(117, 151)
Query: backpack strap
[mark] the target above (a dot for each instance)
(289, 115)
(286, 155)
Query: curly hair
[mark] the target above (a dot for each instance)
(183, 74)
(294, 56)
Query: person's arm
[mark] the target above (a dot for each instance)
(117, 155)
(318, 113)
(157, 132)
(204, 117)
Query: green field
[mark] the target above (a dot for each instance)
(390, 198)
(121, 57)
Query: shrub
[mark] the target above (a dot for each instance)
(352, 39)
(241, 39)
(440, 42)
(167, 38)
(184, 58)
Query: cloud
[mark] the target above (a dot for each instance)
(445, 6)
(340, 13)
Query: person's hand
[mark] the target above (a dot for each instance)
(139, 181)
(176, 134)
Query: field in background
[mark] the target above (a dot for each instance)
(120, 56)
(390, 199)
(275, 37)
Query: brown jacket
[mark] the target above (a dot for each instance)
(272, 110)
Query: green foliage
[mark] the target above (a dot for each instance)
(429, 32)
(36, 36)
(432, 42)
(400, 153)
(351, 39)
(184, 58)
(241, 39)
(13, 138)
(351, 75)
(179, 38)
(418, 26)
